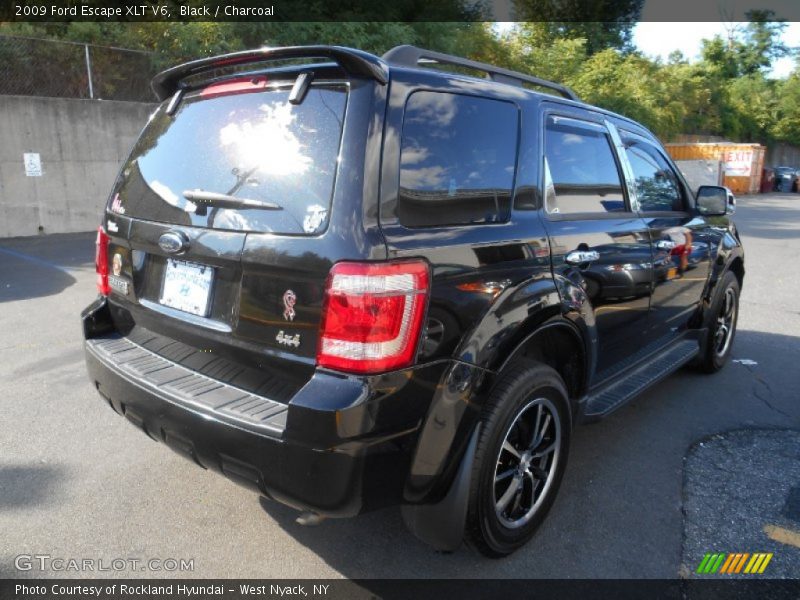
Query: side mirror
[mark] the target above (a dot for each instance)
(712, 200)
(731, 203)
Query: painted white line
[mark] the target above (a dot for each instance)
(41, 262)
(746, 362)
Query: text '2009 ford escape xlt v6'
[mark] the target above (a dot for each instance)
(350, 282)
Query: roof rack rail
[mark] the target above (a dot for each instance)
(355, 62)
(411, 56)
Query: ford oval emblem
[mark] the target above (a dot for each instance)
(173, 242)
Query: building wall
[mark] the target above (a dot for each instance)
(777, 155)
(741, 163)
(783, 155)
(82, 144)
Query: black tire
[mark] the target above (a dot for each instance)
(717, 351)
(513, 412)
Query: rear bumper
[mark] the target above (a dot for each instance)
(342, 446)
(334, 482)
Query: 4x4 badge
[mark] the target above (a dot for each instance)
(289, 300)
(287, 339)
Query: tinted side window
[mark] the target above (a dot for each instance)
(657, 187)
(583, 171)
(457, 160)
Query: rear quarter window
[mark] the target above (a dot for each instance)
(457, 160)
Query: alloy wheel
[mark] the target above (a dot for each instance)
(725, 323)
(527, 462)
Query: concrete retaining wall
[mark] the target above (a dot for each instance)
(82, 144)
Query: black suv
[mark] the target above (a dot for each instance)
(350, 282)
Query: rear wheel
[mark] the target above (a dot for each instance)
(520, 459)
(722, 317)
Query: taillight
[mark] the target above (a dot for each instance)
(101, 261)
(372, 315)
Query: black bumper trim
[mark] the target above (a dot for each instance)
(189, 389)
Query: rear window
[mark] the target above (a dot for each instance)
(457, 160)
(253, 146)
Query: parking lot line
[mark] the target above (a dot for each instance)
(783, 535)
(38, 261)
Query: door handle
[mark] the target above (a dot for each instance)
(580, 257)
(665, 245)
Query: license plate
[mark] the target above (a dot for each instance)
(187, 287)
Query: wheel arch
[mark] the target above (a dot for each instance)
(737, 268)
(558, 343)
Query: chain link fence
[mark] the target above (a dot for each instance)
(39, 67)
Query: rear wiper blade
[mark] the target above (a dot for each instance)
(227, 201)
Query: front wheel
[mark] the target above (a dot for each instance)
(722, 317)
(520, 459)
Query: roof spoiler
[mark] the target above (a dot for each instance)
(354, 62)
(411, 56)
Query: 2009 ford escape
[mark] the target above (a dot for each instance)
(351, 282)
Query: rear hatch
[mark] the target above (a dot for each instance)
(218, 221)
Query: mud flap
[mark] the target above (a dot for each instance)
(96, 318)
(441, 525)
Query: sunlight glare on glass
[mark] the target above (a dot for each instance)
(267, 143)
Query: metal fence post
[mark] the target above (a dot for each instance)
(89, 70)
(66, 69)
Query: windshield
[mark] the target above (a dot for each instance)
(248, 146)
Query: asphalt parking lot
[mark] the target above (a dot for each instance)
(77, 481)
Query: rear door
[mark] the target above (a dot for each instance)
(222, 219)
(449, 180)
(598, 243)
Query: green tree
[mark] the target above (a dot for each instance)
(751, 52)
(603, 24)
(720, 55)
(752, 102)
(727, 92)
(762, 43)
(625, 84)
(560, 60)
(786, 125)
